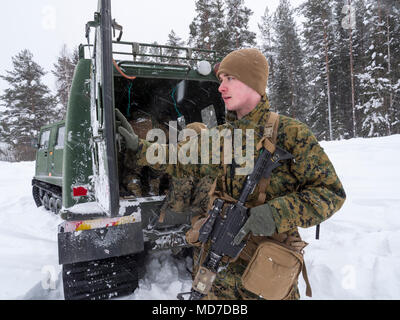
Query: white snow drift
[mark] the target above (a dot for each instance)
(357, 256)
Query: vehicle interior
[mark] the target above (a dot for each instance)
(149, 103)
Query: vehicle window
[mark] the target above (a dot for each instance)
(44, 140)
(60, 137)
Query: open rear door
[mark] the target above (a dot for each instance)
(105, 179)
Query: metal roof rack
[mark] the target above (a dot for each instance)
(155, 54)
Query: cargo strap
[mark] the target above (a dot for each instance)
(307, 281)
(296, 244)
(268, 141)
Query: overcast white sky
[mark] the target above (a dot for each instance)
(43, 26)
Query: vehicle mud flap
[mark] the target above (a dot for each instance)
(102, 279)
(97, 244)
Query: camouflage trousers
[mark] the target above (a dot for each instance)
(228, 284)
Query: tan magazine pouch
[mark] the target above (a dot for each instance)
(273, 271)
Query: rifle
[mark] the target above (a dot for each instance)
(221, 228)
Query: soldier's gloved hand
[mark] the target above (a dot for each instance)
(126, 131)
(260, 223)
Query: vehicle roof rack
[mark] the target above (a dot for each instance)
(155, 54)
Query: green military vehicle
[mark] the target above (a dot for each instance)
(47, 184)
(81, 162)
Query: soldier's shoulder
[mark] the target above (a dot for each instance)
(291, 125)
(291, 132)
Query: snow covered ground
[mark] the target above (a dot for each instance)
(357, 256)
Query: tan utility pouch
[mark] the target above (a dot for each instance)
(273, 271)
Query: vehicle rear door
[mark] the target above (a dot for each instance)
(106, 186)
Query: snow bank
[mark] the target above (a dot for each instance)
(357, 256)
(28, 235)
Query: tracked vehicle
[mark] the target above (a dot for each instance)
(47, 183)
(108, 228)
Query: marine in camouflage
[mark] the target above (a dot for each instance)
(188, 195)
(138, 181)
(302, 193)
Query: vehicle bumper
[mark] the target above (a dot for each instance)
(80, 241)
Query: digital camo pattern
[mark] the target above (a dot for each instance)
(180, 194)
(136, 180)
(303, 192)
(188, 194)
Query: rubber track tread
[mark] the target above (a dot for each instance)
(100, 280)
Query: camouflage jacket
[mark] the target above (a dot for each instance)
(302, 193)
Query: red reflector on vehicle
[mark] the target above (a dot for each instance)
(80, 192)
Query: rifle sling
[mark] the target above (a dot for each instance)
(268, 142)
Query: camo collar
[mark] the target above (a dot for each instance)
(256, 118)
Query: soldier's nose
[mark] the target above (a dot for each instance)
(222, 88)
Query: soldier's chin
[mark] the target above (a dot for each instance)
(229, 106)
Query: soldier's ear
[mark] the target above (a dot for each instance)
(216, 69)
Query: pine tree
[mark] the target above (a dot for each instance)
(265, 28)
(391, 11)
(219, 39)
(28, 104)
(142, 52)
(318, 40)
(200, 28)
(64, 71)
(375, 80)
(266, 43)
(208, 29)
(288, 88)
(362, 43)
(237, 25)
(174, 41)
(351, 54)
(340, 75)
(156, 52)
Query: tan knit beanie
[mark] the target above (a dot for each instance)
(249, 66)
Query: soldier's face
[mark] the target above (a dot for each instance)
(237, 96)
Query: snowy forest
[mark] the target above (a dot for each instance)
(334, 65)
